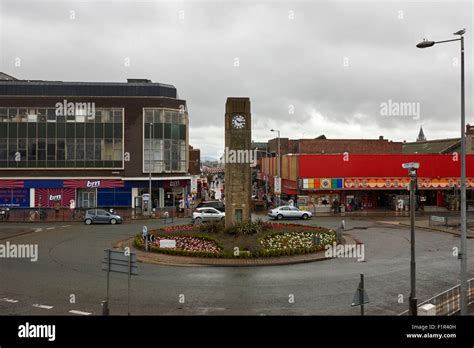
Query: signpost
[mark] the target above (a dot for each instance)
(145, 236)
(168, 243)
(119, 261)
(360, 296)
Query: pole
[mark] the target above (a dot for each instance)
(361, 294)
(413, 300)
(105, 306)
(149, 172)
(463, 254)
(279, 165)
(129, 276)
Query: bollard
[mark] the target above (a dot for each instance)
(105, 308)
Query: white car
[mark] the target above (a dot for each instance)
(207, 215)
(287, 212)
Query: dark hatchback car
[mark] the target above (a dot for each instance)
(212, 204)
(99, 216)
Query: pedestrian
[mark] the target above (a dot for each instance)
(72, 208)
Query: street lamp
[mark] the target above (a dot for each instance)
(150, 203)
(279, 159)
(412, 168)
(266, 176)
(463, 254)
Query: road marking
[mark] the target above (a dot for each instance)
(79, 312)
(51, 228)
(42, 306)
(38, 230)
(9, 300)
(66, 226)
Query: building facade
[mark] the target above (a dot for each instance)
(91, 144)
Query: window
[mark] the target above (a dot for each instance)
(45, 139)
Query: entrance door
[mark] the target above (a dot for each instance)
(87, 198)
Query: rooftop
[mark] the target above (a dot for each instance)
(431, 146)
(132, 88)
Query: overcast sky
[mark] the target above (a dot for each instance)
(309, 67)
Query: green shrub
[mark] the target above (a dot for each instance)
(212, 227)
(246, 228)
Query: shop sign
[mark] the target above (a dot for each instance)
(277, 185)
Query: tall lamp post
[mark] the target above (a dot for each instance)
(463, 254)
(279, 159)
(412, 168)
(150, 203)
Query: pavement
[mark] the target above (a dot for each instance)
(67, 278)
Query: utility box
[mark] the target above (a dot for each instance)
(427, 309)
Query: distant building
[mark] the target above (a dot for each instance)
(321, 145)
(94, 143)
(194, 166)
(421, 135)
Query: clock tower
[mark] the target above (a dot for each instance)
(238, 179)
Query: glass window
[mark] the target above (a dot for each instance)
(51, 149)
(117, 156)
(41, 149)
(61, 150)
(148, 116)
(108, 150)
(117, 116)
(3, 114)
(41, 130)
(70, 150)
(89, 149)
(157, 116)
(51, 114)
(13, 130)
(31, 149)
(3, 149)
(12, 149)
(79, 149)
(80, 130)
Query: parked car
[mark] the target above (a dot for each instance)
(287, 212)
(207, 215)
(99, 216)
(212, 204)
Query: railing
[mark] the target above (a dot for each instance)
(449, 302)
(77, 215)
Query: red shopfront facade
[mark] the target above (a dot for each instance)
(373, 180)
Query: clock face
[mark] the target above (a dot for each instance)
(238, 121)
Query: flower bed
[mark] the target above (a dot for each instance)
(202, 246)
(179, 228)
(295, 240)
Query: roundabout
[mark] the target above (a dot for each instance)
(249, 244)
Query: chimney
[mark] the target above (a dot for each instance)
(380, 137)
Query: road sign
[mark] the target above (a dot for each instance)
(357, 298)
(120, 262)
(167, 243)
(409, 165)
(117, 261)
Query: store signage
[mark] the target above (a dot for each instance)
(175, 183)
(277, 185)
(93, 183)
(55, 197)
(380, 183)
(194, 185)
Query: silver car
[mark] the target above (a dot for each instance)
(207, 215)
(287, 212)
(99, 216)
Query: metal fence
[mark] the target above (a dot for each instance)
(67, 215)
(449, 302)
